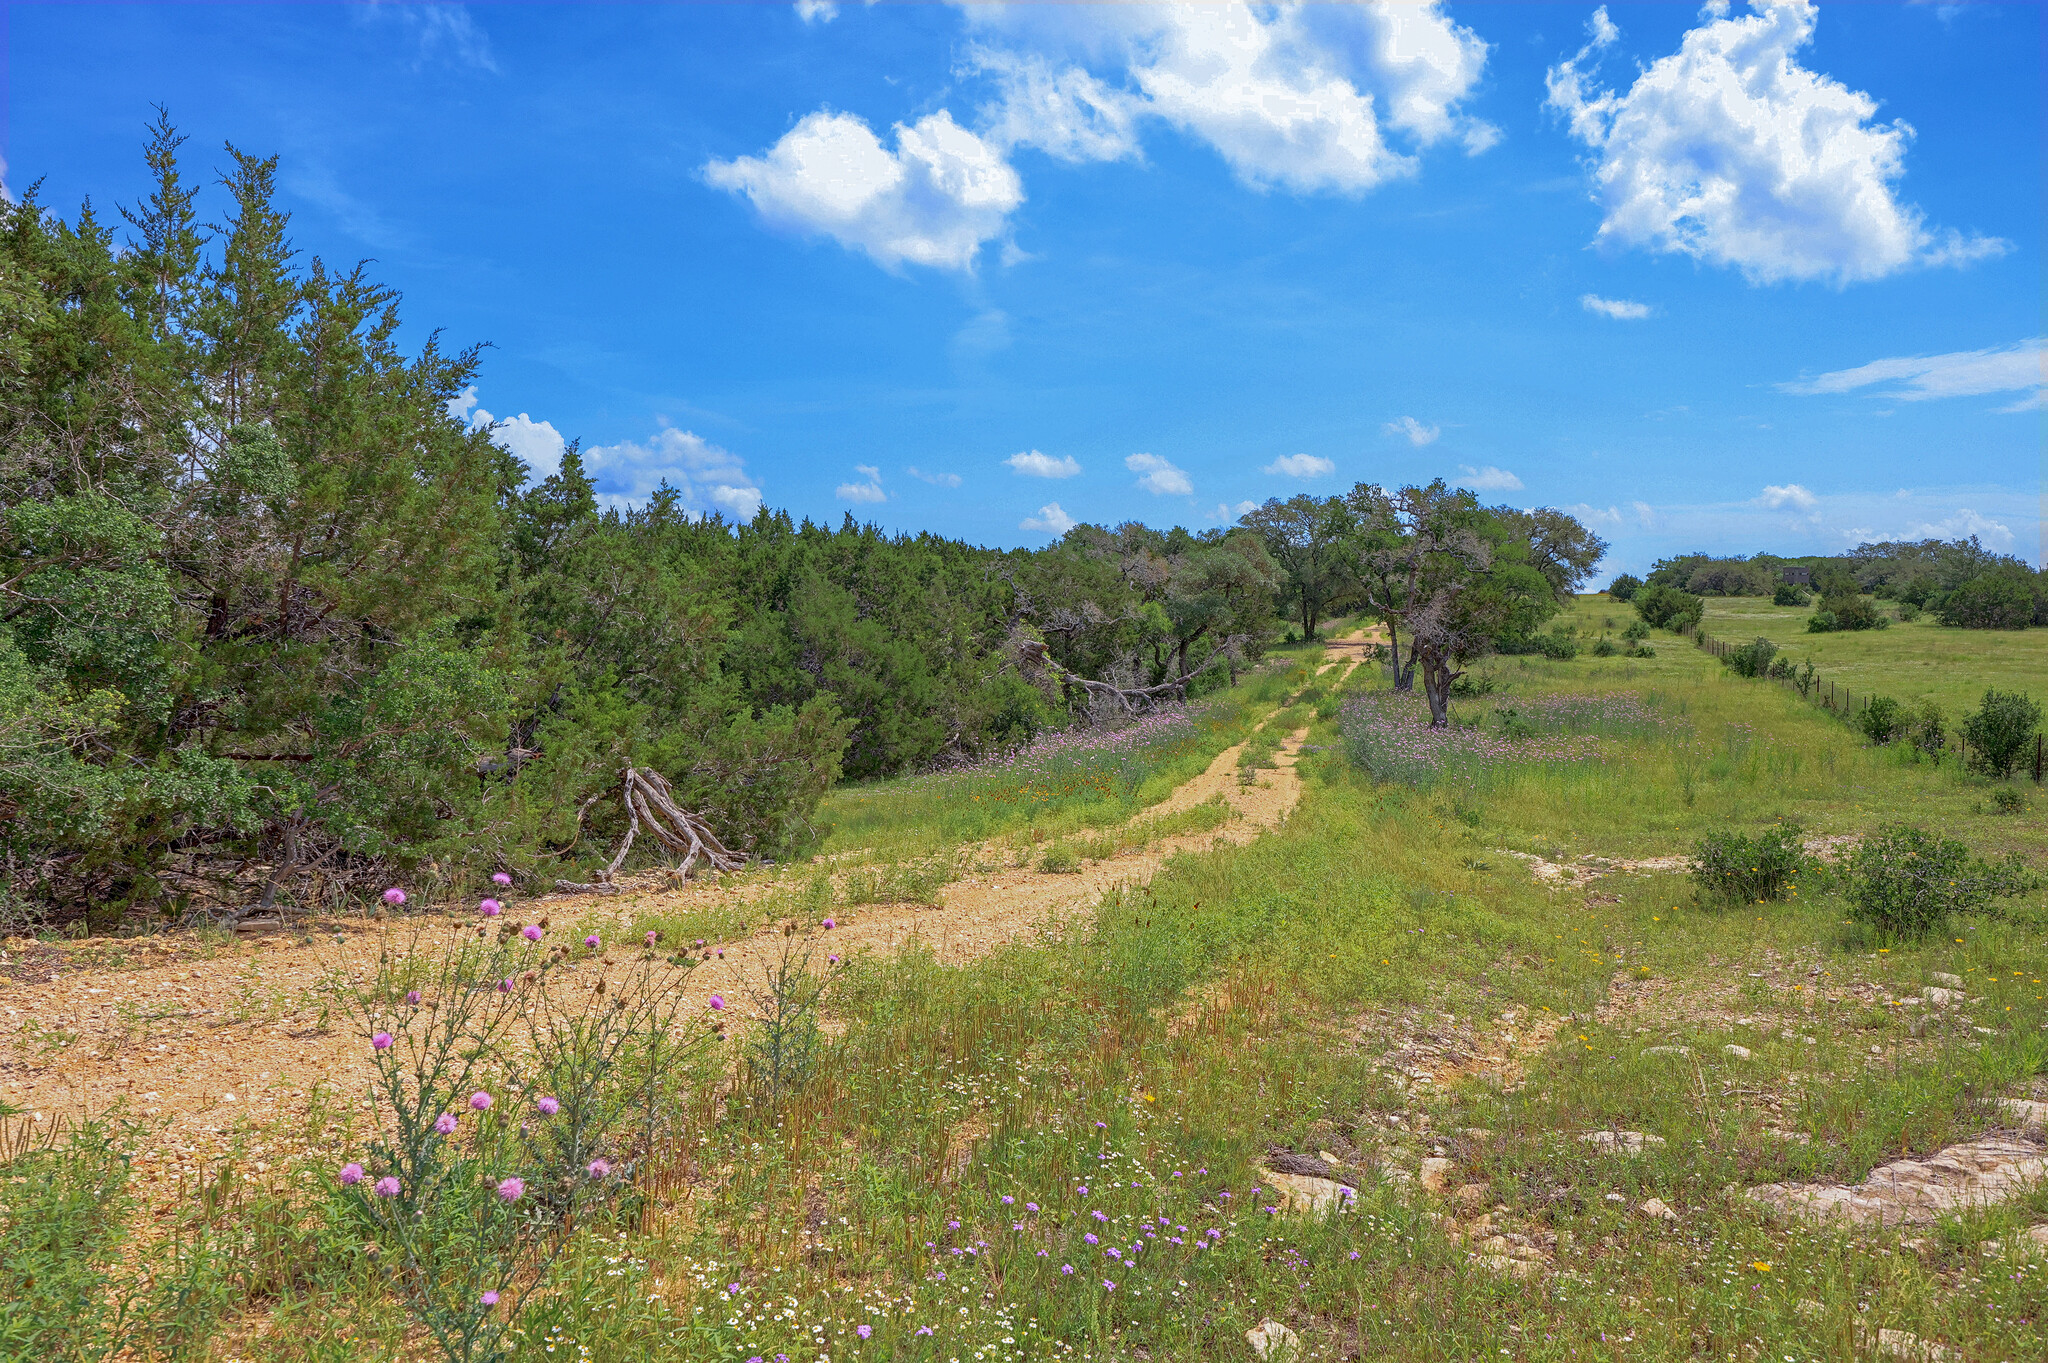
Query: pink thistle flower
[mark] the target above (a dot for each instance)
(412, 997)
(717, 1002)
(512, 1189)
(505, 985)
(394, 896)
(489, 1299)
(445, 1123)
(351, 1175)
(833, 960)
(490, 908)
(592, 941)
(385, 1187)
(480, 1101)
(381, 1041)
(531, 932)
(653, 937)
(548, 1106)
(500, 879)
(829, 925)
(599, 1168)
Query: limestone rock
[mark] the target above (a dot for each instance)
(1471, 1196)
(1739, 1052)
(1943, 977)
(1942, 998)
(1667, 1050)
(2032, 1242)
(1273, 1342)
(2024, 1112)
(1624, 1142)
(1435, 1174)
(1513, 1268)
(1656, 1209)
(1981, 1173)
(1302, 1195)
(1910, 1348)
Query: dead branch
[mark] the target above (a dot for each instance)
(651, 802)
(1133, 699)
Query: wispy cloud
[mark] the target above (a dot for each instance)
(817, 11)
(1301, 466)
(1032, 464)
(935, 479)
(1050, 520)
(1788, 494)
(1619, 309)
(2019, 367)
(1417, 433)
(868, 489)
(1158, 475)
(1489, 479)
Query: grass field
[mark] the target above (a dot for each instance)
(1912, 660)
(1056, 1151)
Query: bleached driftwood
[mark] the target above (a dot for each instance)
(651, 802)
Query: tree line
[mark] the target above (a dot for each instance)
(274, 624)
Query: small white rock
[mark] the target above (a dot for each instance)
(1739, 1052)
(1943, 977)
(1434, 1174)
(1273, 1342)
(1656, 1209)
(1942, 998)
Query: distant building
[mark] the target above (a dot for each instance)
(1798, 577)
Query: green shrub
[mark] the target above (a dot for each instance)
(1789, 594)
(1604, 647)
(1884, 720)
(1557, 646)
(1996, 600)
(1781, 669)
(1926, 729)
(1642, 651)
(1732, 868)
(2001, 731)
(1060, 859)
(2008, 800)
(1625, 587)
(1636, 632)
(1907, 611)
(1845, 611)
(1750, 660)
(1907, 883)
(1668, 607)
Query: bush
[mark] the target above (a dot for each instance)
(1625, 587)
(1926, 730)
(1604, 647)
(2008, 800)
(1883, 720)
(1642, 651)
(1992, 601)
(1907, 612)
(1636, 632)
(1789, 594)
(1750, 660)
(1730, 868)
(1556, 645)
(1845, 612)
(1781, 669)
(1668, 607)
(1907, 883)
(2000, 731)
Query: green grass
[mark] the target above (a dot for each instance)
(1252, 996)
(1912, 660)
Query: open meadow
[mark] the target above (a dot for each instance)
(1280, 1029)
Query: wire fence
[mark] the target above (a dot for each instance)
(1841, 702)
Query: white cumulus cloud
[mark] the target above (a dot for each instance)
(1049, 520)
(935, 479)
(1488, 479)
(1225, 511)
(1032, 464)
(537, 444)
(1066, 112)
(1733, 153)
(1788, 494)
(2018, 368)
(868, 489)
(1159, 476)
(708, 478)
(1301, 466)
(1417, 433)
(933, 200)
(817, 11)
(1620, 309)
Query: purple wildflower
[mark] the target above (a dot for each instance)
(717, 1002)
(490, 908)
(592, 941)
(351, 1174)
(864, 1330)
(381, 1041)
(531, 932)
(548, 1106)
(385, 1187)
(480, 1100)
(500, 879)
(599, 1168)
(445, 1123)
(489, 1299)
(394, 896)
(512, 1189)
(412, 997)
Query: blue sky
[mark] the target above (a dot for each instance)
(1722, 278)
